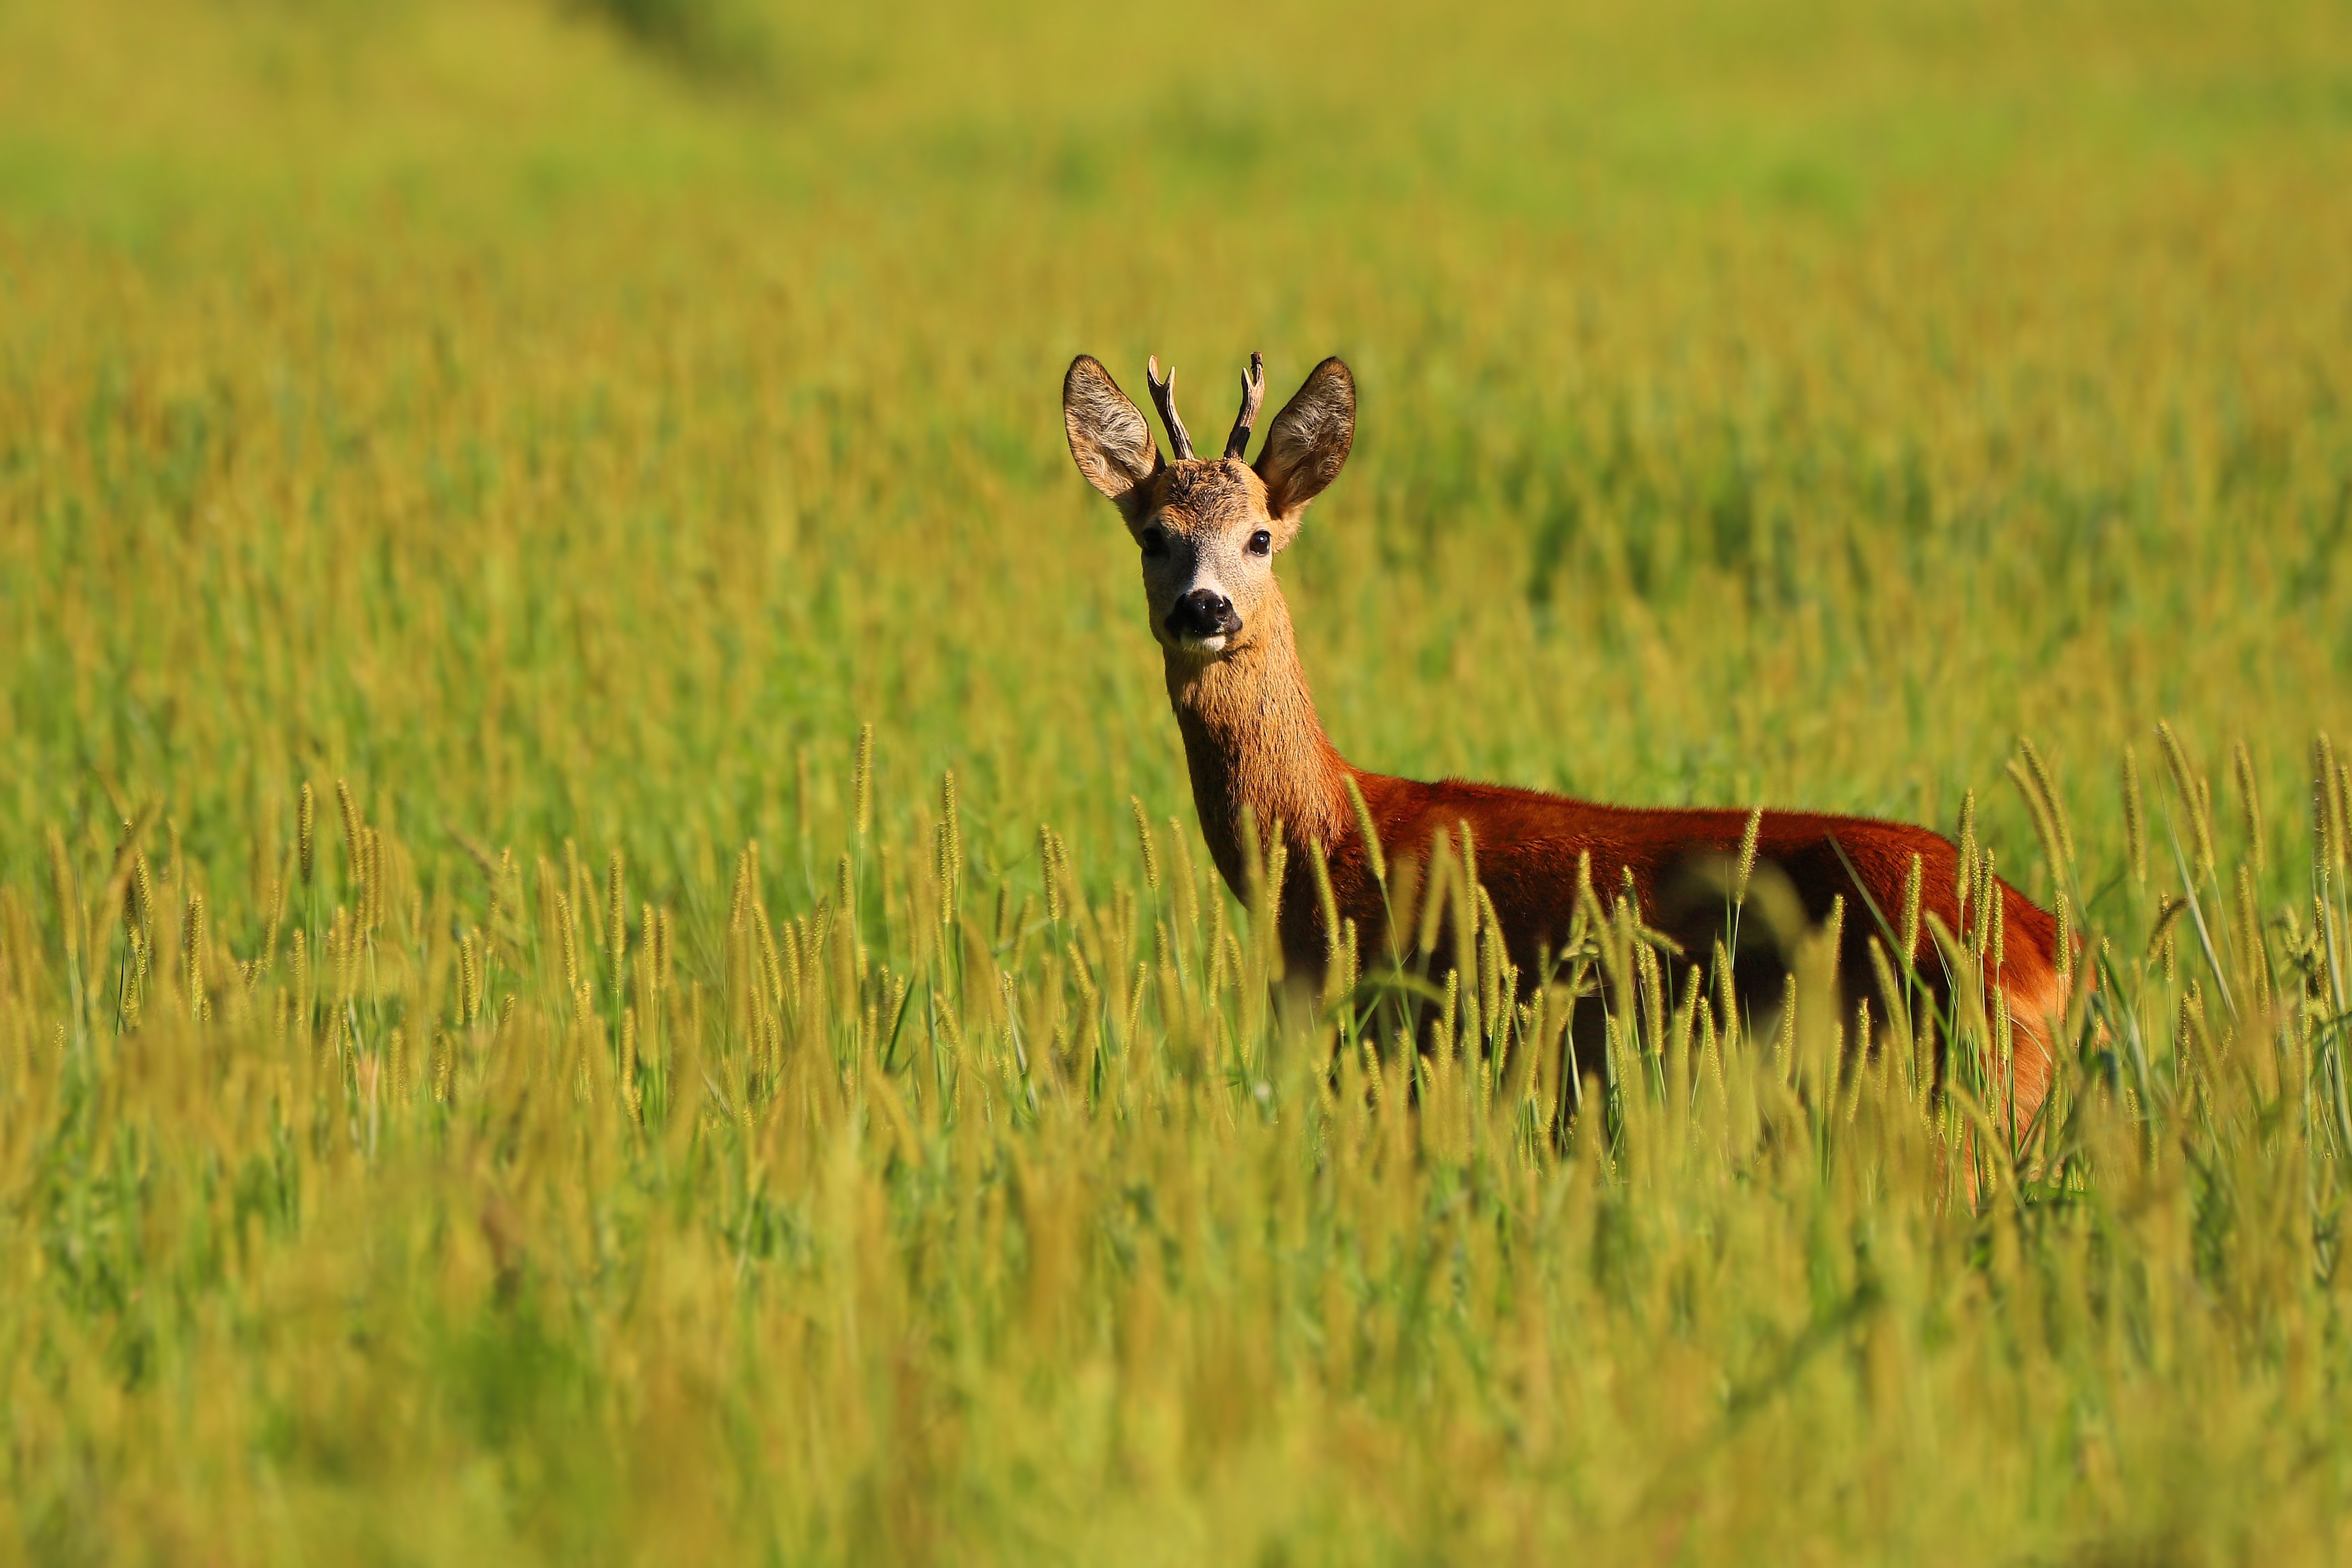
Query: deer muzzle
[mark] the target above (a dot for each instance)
(1202, 615)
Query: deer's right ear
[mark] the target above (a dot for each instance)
(1109, 438)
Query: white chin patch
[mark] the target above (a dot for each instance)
(1216, 645)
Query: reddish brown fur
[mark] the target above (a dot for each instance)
(1255, 745)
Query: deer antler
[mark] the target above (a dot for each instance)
(1253, 394)
(1163, 393)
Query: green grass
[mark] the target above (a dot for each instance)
(570, 427)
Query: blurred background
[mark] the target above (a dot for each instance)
(574, 419)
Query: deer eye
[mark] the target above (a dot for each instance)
(1261, 543)
(1155, 543)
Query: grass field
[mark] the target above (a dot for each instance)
(493, 1067)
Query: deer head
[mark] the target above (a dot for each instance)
(1209, 527)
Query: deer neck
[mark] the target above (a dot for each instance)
(1252, 742)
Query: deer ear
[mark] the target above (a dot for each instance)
(1308, 440)
(1112, 445)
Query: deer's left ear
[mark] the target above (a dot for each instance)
(1308, 441)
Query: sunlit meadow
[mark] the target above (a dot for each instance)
(603, 955)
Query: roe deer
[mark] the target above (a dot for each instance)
(1209, 529)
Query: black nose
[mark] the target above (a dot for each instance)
(1203, 613)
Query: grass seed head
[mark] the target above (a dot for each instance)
(649, 944)
(1187, 874)
(2249, 804)
(1965, 864)
(1143, 839)
(568, 935)
(1987, 883)
(371, 880)
(616, 914)
(468, 981)
(2047, 787)
(2253, 954)
(2327, 833)
(1368, 832)
(947, 841)
(1435, 889)
(1049, 873)
(1913, 888)
(2045, 822)
(1325, 900)
(2344, 815)
(2160, 932)
(306, 833)
(192, 954)
(2195, 798)
(141, 907)
(2063, 955)
(862, 780)
(2135, 820)
(1745, 867)
(353, 849)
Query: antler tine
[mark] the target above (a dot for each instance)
(1163, 393)
(1253, 394)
